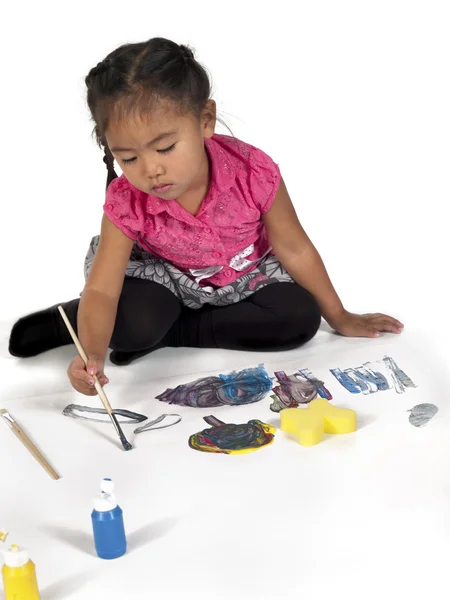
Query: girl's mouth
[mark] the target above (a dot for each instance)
(162, 188)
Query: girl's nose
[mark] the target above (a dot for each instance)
(151, 168)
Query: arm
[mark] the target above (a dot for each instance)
(98, 304)
(297, 254)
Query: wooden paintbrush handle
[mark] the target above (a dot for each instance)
(125, 444)
(83, 355)
(73, 335)
(19, 433)
(102, 395)
(34, 451)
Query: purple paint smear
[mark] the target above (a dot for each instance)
(239, 387)
(299, 388)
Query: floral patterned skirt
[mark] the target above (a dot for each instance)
(146, 266)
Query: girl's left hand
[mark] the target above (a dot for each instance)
(368, 325)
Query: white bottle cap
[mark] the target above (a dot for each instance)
(16, 557)
(107, 485)
(106, 501)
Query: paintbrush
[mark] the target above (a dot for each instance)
(125, 443)
(28, 443)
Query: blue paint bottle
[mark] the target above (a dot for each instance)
(107, 522)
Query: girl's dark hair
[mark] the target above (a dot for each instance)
(136, 76)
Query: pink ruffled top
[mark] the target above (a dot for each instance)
(227, 237)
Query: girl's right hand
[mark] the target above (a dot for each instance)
(81, 377)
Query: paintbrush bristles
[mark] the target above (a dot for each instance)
(125, 444)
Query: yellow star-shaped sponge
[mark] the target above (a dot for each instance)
(309, 425)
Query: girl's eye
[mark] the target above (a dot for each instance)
(167, 150)
(127, 161)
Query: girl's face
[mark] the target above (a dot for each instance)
(163, 153)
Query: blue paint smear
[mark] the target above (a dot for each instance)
(367, 379)
(355, 387)
(367, 385)
(374, 377)
(319, 385)
(244, 386)
(239, 387)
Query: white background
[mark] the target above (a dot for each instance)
(352, 100)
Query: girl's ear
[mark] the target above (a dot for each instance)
(208, 119)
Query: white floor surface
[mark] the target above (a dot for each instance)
(367, 511)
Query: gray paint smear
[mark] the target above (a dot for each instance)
(75, 411)
(421, 414)
(150, 426)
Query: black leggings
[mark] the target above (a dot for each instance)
(279, 316)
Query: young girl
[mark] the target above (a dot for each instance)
(200, 245)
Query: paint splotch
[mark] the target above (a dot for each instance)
(350, 381)
(239, 387)
(299, 388)
(88, 413)
(152, 425)
(368, 373)
(368, 378)
(322, 391)
(421, 414)
(223, 438)
(400, 379)
(76, 411)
